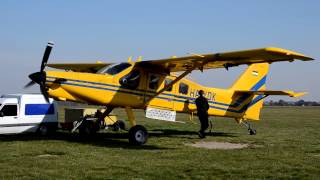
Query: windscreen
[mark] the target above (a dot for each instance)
(114, 69)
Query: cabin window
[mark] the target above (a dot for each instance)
(183, 88)
(167, 82)
(9, 110)
(114, 69)
(154, 82)
(131, 80)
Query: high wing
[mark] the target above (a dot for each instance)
(223, 60)
(87, 67)
(273, 92)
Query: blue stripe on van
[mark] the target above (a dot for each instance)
(39, 109)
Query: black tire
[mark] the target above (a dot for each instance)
(119, 125)
(43, 130)
(87, 128)
(252, 132)
(138, 135)
(122, 124)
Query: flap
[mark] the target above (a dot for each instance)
(224, 60)
(274, 92)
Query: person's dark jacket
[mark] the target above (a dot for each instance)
(202, 105)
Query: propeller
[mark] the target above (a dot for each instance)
(40, 77)
(31, 83)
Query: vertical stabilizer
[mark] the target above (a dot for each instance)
(254, 78)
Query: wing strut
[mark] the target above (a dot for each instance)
(184, 74)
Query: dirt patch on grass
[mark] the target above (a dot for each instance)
(219, 145)
(46, 155)
(51, 154)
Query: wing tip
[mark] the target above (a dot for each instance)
(299, 94)
(286, 52)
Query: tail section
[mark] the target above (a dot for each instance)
(253, 79)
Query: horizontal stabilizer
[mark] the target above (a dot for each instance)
(273, 92)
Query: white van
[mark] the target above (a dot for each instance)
(27, 113)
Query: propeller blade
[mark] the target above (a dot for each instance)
(31, 83)
(44, 92)
(38, 77)
(46, 56)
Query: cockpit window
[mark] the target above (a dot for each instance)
(154, 82)
(131, 80)
(114, 69)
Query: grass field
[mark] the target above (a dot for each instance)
(287, 145)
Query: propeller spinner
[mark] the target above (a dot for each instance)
(40, 77)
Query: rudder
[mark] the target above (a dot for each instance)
(254, 78)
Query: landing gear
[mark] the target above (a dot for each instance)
(88, 128)
(138, 135)
(119, 125)
(250, 130)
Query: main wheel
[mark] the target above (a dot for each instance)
(252, 132)
(138, 135)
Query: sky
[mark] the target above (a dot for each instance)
(111, 31)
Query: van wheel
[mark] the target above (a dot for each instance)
(43, 130)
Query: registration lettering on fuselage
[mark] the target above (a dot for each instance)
(209, 95)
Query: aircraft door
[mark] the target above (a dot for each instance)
(155, 82)
(133, 85)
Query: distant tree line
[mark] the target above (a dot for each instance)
(291, 103)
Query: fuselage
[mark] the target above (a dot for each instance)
(136, 88)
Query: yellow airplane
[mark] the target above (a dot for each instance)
(152, 86)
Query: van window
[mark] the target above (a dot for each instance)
(9, 110)
(183, 88)
(167, 82)
(154, 82)
(39, 109)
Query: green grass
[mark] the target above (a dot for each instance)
(287, 145)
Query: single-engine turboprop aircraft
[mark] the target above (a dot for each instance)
(151, 85)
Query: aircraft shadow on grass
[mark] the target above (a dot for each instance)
(185, 133)
(110, 140)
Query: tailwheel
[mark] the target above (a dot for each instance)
(138, 135)
(250, 130)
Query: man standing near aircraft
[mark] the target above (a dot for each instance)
(202, 112)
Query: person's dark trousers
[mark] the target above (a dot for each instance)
(203, 117)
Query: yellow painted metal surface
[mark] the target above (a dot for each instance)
(243, 100)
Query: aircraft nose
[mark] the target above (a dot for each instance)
(38, 77)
